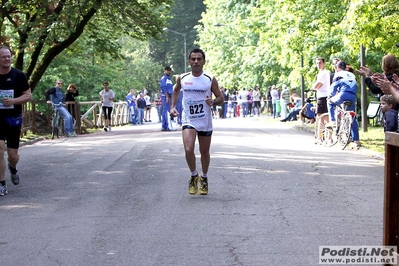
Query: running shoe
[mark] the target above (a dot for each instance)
(203, 186)
(192, 185)
(3, 190)
(14, 177)
(105, 129)
(109, 128)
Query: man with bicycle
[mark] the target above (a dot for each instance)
(344, 88)
(56, 98)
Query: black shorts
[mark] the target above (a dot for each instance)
(10, 133)
(321, 106)
(200, 133)
(148, 107)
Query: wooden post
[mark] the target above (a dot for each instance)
(391, 190)
(363, 97)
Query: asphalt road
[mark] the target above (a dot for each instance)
(121, 198)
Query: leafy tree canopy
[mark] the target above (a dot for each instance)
(262, 42)
(40, 30)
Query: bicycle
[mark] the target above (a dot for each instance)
(341, 131)
(55, 121)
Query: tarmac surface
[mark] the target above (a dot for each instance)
(121, 198)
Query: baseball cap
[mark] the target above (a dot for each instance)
(168, 68)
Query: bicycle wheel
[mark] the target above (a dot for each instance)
(322, 120)
(330, 136)
(53, 125)
(344, 133)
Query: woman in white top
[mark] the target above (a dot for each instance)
(147, 115)
(106, 98)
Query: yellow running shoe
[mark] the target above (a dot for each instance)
(203, 186)
(192, 185)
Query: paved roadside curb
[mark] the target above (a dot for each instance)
(24, 142)
(373, 154)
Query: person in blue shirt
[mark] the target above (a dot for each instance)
(166, 91)
(307, 111)
(56, 97)
(344, 88)
(131, 103)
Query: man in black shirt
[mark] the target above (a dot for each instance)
(14, 91)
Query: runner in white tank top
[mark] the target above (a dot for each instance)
(198, 88)
(196, 112)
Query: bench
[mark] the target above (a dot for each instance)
(374, 112)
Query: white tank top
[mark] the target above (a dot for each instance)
(196, 112)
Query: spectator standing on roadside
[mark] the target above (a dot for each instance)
(284, 101)
(322, 86)
(141, 105)
(250, 102)
(147, 116)
(107, 97)
(131, 103)
(234, 103)
(269, 104)
(158, 105)
(72, 92)
(275, 97)
(243, 96)
(14, 91)
(225, 104)
(256, 97)
(166, 86)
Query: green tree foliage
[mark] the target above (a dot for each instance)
(170, 51)
(262, 42)
(41, 30)
(82, 65)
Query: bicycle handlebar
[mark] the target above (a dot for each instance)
(54, 105)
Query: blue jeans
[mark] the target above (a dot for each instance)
(337, 100)
(226, 107)
(165, 112)
(68, 120)
(292, 115)
(133, 113)
(244, 109)
(140, 116)
(234, 108)
(159, 110)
